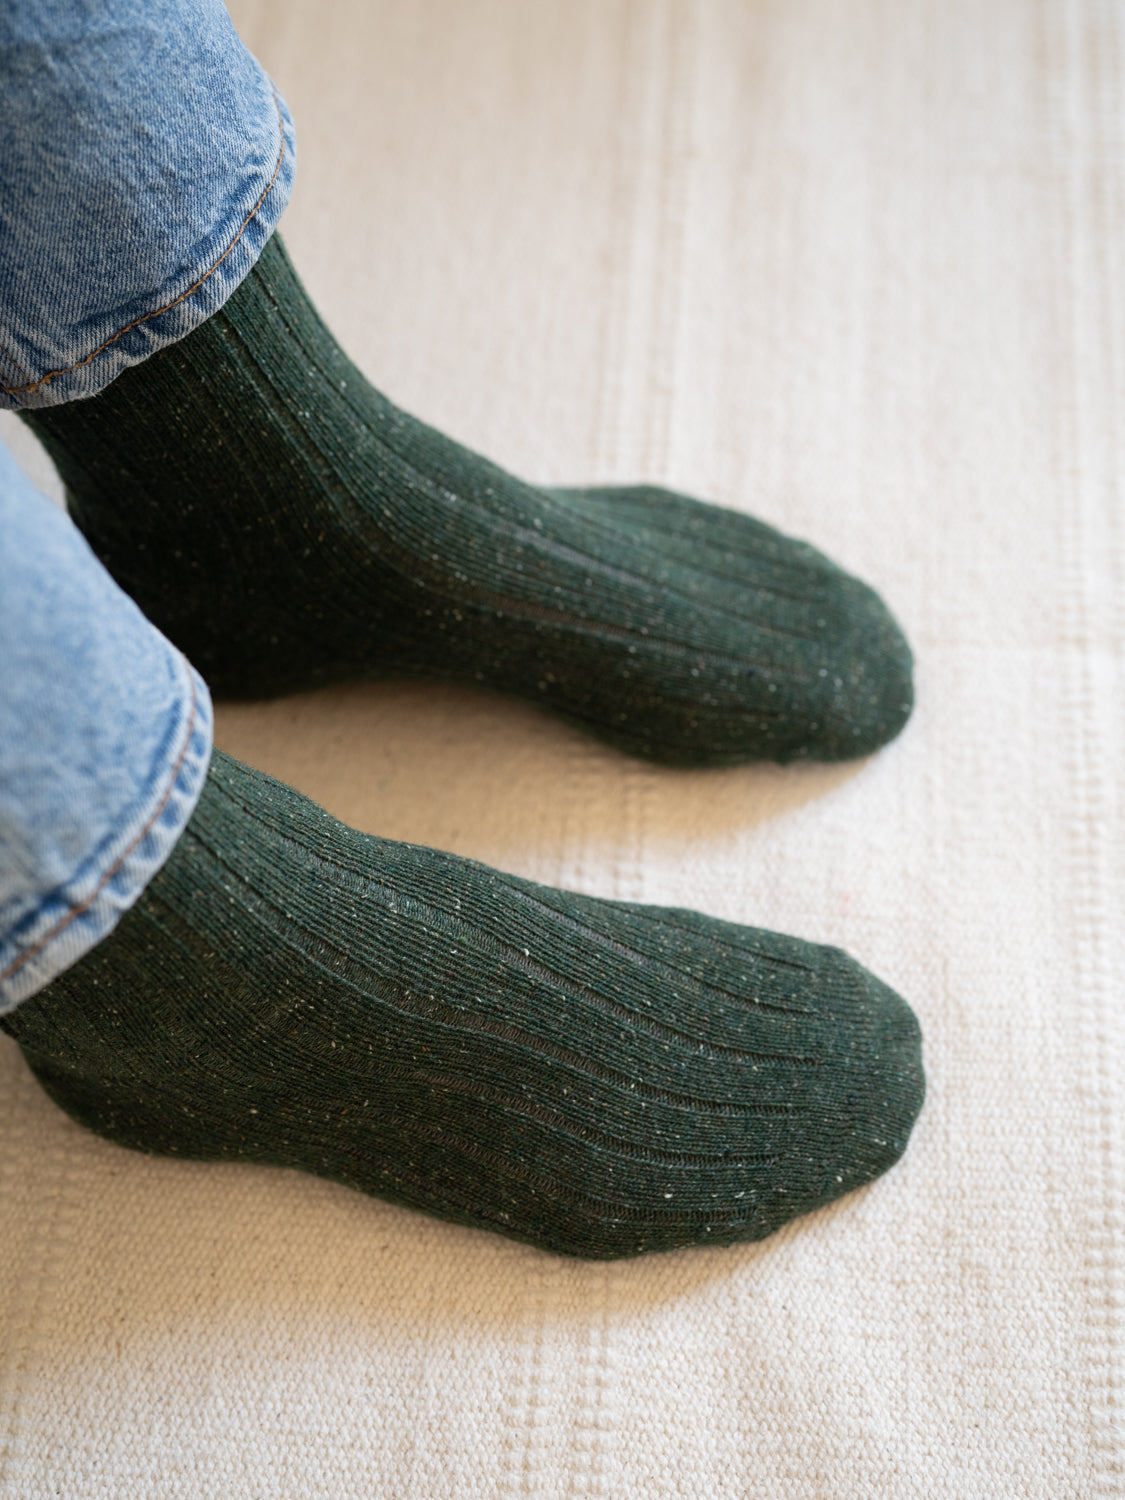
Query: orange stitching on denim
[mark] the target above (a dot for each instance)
(76, 911)
(21, 390)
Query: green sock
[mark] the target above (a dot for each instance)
(287, 526)
(595, 1078)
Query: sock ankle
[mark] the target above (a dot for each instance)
(287, 526)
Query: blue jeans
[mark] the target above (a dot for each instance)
(146, 159)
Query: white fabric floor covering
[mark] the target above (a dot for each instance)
(856, 268)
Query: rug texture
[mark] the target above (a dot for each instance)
(856, 269)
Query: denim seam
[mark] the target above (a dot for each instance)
(23, 390)
(77, 910)
(8, 355)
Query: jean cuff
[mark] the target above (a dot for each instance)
(98, 348)
(78, 914)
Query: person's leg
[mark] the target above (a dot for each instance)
(284, 523)
(595, 1078)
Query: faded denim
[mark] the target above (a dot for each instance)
(146, 160)
(105, 738)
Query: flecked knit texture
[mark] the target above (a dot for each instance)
(599, 1079)
(286, 525)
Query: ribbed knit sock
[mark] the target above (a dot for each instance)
(598, 1079)
(287, 526)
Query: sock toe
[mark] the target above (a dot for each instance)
(864, 692)
(768, 649)
(886, 1087)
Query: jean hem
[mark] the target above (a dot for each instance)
(185, 301)
(75, 917)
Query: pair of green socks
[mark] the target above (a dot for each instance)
(596, 1078)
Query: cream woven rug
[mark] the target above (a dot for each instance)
(858, 268)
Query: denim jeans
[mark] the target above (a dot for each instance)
(146, 159)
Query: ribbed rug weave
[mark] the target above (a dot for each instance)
(857, 268)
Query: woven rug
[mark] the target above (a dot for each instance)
(855, 268)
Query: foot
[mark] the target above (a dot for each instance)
(287, 526)
(594, 1078)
